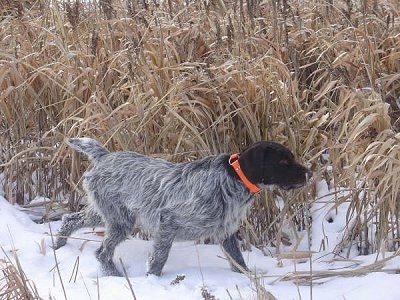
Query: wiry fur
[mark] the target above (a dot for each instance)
(184, 201)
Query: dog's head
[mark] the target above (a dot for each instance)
(268, 163)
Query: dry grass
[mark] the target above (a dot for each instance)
(308, 278)
(14, 285)
(185, 79)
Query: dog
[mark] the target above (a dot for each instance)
(176, 201)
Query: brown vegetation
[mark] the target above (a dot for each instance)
(185, 79)
(14, 285)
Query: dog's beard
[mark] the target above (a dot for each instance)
(266, 186)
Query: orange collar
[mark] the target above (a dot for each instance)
(234, 162)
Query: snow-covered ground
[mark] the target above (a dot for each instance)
(203, 266)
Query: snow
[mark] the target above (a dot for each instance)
(203, 266)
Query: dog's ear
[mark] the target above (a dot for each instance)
(252, 161)
(262, 162)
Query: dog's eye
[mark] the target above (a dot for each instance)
(284, 162)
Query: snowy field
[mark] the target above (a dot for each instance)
(206, 272)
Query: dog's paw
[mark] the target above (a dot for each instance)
(60, 242)
(108, 267)
(240, 269)
(112, 272)
(153, 271)
(152, 267)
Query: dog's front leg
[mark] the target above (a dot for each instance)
(75, 221)
(162, 242)
(235, 257)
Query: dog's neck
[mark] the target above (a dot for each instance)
(234, 162)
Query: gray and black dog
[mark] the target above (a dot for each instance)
(176, 201)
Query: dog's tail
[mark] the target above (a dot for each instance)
(92, 148)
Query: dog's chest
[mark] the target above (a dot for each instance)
(235, 212)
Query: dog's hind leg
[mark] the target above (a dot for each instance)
(162, 242)
(73, 222)
(235, 257)
(117, 230)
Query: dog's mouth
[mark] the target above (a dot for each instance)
(297, 185)
(292, 186)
